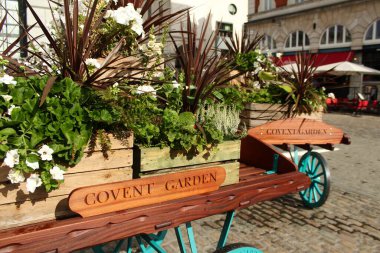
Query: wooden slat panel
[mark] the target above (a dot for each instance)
(8, 193)
(116, 143)
(55, 206)
(250, 171)
(232, 171)
(116, 159)
(157, 158)
(264, 107)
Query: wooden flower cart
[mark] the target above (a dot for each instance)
(146, 208)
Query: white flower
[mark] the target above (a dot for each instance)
(6, 79)
(12, 158)
(323, 88)
(278, 55)
(175, 84)
(127, 14)
(57, 173)
(34, 165)
(16, 176)
(7, 98)
(46, 153)
(145, 89)
(109, 13)
(92, 62)
(33, 182)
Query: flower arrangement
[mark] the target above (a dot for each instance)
(53, 102)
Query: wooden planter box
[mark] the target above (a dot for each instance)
(256, 114)
(17, 207)
(156, 161)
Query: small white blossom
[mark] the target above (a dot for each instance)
(16, 176)
(12, 158)
(127, 15)
(33, 182)
(323, 88)
(92, 62)
(175, 84)
(46, 153)
(33, 166)
(278, 55)
(7, 98)
(145, 89)
(6, 79)
(56, 173)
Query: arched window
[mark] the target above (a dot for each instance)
(297, 41)
(372, 36)
(267, 42)
(336, 36)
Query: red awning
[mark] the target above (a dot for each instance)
(321, 58)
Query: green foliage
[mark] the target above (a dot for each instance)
(64, 122)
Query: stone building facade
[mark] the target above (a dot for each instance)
(338, 29)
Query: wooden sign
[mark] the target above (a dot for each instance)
(297, 131)
(105, 198)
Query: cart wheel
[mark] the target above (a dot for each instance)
(238, 248)
(314, 165)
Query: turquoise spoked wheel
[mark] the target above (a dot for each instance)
(314, 165)
(238, 248)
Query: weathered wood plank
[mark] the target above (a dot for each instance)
(8, 193)
(157, 158)
(55, 206)
(232, 171)
(116, 143)
(117, 159)
(263, 107)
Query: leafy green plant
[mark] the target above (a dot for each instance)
(41, 141)
(202, 68)
(303, 96)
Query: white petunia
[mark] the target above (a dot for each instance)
(175, 84)
(278, 55)
(127, 14)
(12, 158)
(6, 79)
(92, 62)
(7, 98)
(33, 166)
(145, 89)
(33, 182)
(16, 176)
(108, 14)
(46, 153)
(57, 173)
(10, 109)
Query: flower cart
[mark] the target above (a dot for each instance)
(264, 174)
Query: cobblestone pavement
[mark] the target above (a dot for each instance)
(348, 222)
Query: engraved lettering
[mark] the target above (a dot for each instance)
(87, 201)
(115, 195)
(102, 197)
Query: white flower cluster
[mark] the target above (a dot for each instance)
(16, 176)
(6, 79)
(128, 15)
(90, 62)
(331, 95)
(152, 48)
(146, 89)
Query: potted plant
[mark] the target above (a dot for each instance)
(56, 119)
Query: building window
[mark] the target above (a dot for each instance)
(336, 36)
(225, 29)
(372, 36)
(297, 41)
(11, 28)
(268, 5)
(268, 43)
